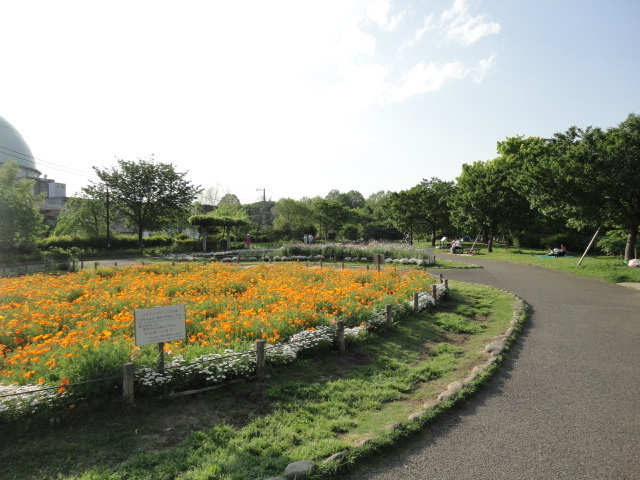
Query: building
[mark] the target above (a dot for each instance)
(13, 147)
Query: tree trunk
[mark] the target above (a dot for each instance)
(204, 239)
(630, 248)
(492, 233)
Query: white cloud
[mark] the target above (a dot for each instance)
(379, 13)
(421, 79)
(459, 25)
(426, 26)
(483, 67)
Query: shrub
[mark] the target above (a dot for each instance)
(613, 243)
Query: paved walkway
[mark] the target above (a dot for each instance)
(566, 404)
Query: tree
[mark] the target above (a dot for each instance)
(210, 196)
(434, 199)
(20, 220)
(588, 177)
(229, 198)
(485, 198)
(331, 215)
(404, 210)
(84, 215)
(333, 195)
(293, 218)
(261, 213)
(376, 199)
(148, 195)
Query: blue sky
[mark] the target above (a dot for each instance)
(299, 98)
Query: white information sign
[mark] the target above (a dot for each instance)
(160, 324)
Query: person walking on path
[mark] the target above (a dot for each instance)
(565, 403)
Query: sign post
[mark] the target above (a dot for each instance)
(160, 325)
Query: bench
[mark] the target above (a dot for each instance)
(472, 251)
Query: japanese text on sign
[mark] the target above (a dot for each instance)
(160, 324)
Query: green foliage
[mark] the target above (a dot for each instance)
(485, 198)
(351, 232)
(589, 177)
(21, 223)
(454, 323)
(445, 348)
(148, 195)
(88, 243)
(612, 243)
(331, 215)
(307, 411)
(85, 215)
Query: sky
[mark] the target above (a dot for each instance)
(293, 99)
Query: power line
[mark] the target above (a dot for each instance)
(55, 166)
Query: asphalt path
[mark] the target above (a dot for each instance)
(566, 403)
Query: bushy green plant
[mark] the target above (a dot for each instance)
(612, 243)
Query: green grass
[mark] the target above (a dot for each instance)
(308, 410)
(609, 269)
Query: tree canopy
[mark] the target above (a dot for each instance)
(149, 195)
(485, 199)
(588, 177)
(85, 214)
(21, 223)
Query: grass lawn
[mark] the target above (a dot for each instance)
(609, 269)
(309, 410)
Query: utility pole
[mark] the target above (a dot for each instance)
(108, 226)
(263, 212)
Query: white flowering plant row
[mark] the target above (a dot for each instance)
(211, 369)
(215, 369)
(17, 401)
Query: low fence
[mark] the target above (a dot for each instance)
(245, 365)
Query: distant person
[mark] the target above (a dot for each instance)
(306, 239)
(310, 239)
(557, 252)
(456, 246)
(247, 242)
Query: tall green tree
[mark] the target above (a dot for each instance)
(21, 223)
(293, 219)
(405, 211)
(434, 199)
(148, 195)
(589, 177)
(485, 198)
(85, 214)
(331, 215)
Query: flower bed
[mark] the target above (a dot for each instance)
(77, 327)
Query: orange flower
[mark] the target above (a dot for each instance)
(59, 317)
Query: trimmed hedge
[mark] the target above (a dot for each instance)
(120, 242)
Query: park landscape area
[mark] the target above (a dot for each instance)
(325, 403)
(363, 240)
(321, 405)
(244, 274)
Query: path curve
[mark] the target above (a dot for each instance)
(566, 402)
